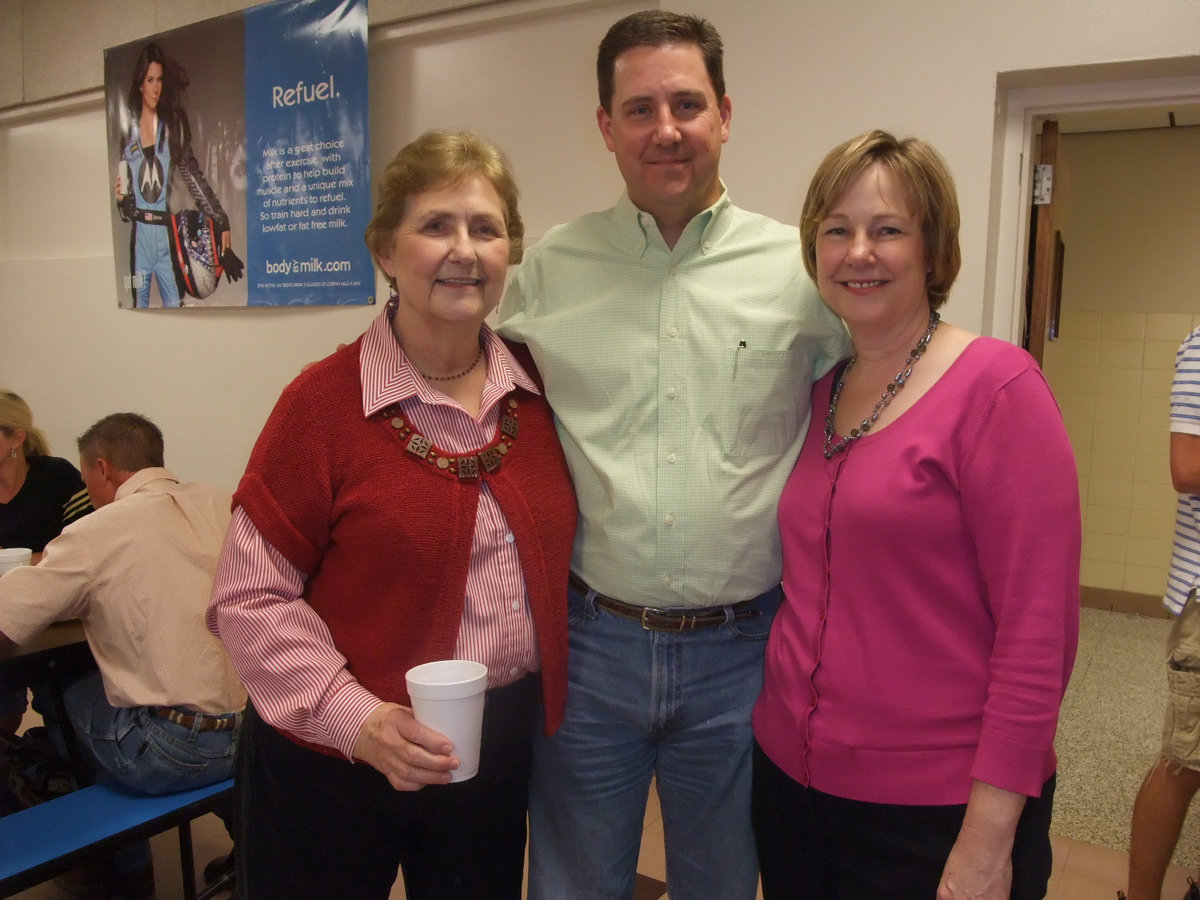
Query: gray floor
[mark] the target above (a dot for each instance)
(1110, 731)
(1108, 737)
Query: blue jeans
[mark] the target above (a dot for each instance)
(675, 706)
(142, 751)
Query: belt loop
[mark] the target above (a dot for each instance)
(589, 598)
(586, 591)
(197, 722)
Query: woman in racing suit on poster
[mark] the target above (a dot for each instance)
(159, 145)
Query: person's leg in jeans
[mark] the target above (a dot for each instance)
(642, 703)
(140, 751)
(591, 778)
(144, 752)
(706, 684)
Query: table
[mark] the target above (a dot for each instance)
(61, 647)
(58, 636)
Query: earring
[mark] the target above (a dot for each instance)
(14, 452)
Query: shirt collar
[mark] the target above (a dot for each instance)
(143, 477)
(387, 376)
(707, 226)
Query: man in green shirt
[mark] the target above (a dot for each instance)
(679, 337)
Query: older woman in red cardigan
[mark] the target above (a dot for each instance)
(407, 501)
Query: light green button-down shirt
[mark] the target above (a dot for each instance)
(681, 381)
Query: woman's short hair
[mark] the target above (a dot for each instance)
(15, 415)
(923, 178)
(438, 159)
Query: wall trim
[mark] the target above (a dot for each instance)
(1146, 605)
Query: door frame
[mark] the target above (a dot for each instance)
(1019, 113)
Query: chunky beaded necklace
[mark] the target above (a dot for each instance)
(830, 449)
(463, 466)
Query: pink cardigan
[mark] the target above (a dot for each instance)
(931, 576)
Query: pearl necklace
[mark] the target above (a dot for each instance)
(894, 387)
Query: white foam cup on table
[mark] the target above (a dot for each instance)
(447, 696)
(11, 557)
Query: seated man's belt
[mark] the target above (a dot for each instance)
(151, 216)
(198, 721)
(673, 619)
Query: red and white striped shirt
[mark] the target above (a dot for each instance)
(260, 592)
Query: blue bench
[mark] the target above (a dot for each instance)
(48, 839)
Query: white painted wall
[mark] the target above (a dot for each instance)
(802, 76)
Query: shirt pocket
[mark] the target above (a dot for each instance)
(761, 403)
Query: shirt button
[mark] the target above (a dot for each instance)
(509, 537)
(672, 270)
(672, 331)
(670, 520)
(672, 393)
(516, 605)
(671, 458)
(514, 671)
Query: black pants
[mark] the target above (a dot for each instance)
(320, 827)
(814, 846)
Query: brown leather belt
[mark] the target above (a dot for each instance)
(680, 618)
(189, 719)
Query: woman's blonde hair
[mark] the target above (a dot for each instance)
(923, 178)
(443, 158)
(15, 415)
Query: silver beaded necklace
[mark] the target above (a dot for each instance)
(830, 449)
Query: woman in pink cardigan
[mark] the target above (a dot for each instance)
(931, 541)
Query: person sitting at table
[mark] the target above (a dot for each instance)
(407, 501)
(39, 495)
(162, 712)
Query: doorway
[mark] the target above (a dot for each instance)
(1124, 197)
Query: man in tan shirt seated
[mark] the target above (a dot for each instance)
(162, 712)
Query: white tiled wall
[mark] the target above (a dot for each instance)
(1111, 373)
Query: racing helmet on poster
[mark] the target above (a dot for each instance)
(195, 252)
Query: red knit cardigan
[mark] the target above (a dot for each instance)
(385, 537)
